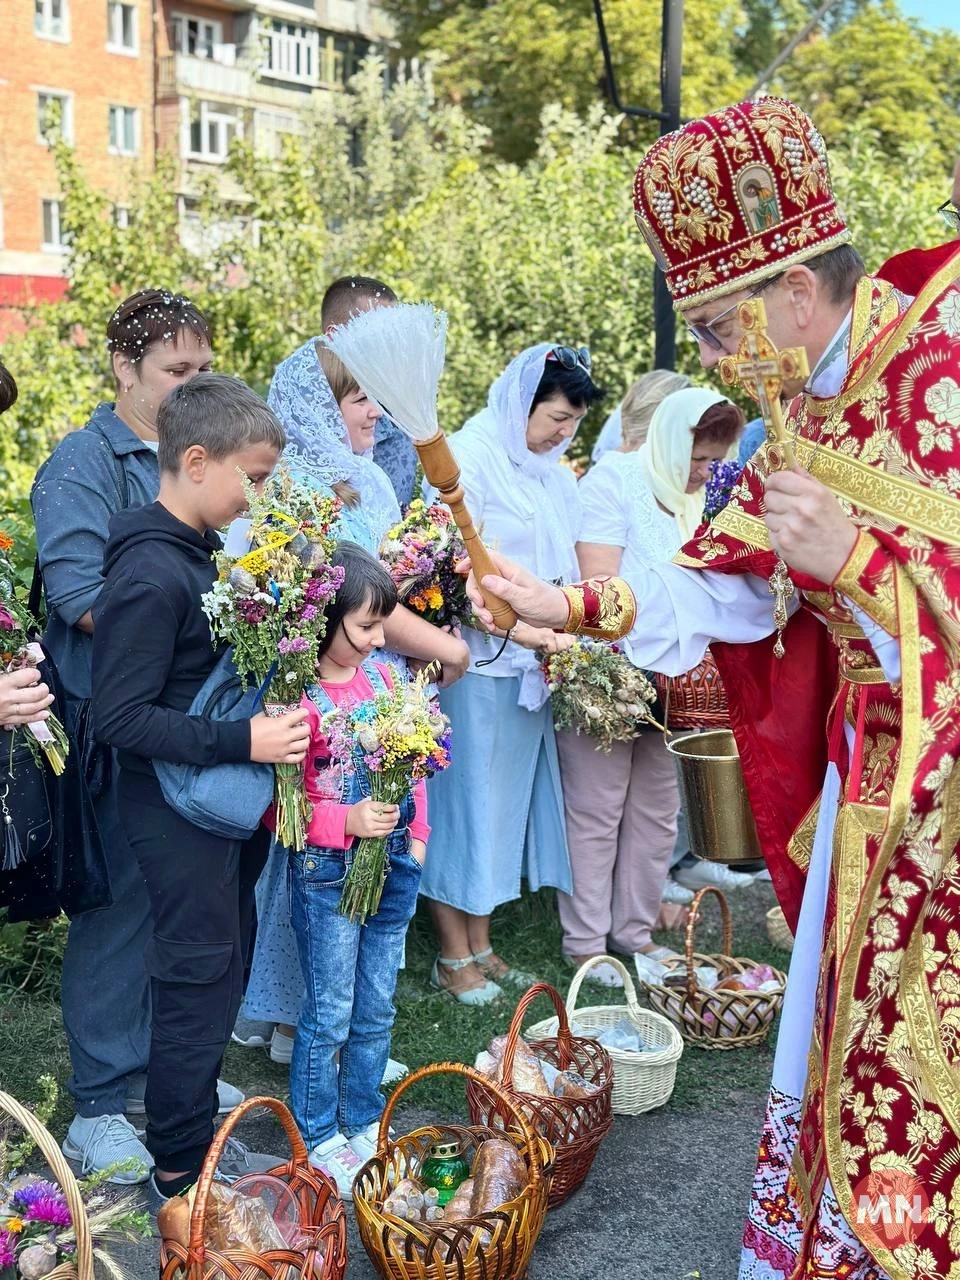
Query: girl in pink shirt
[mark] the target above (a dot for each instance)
(343, 1034)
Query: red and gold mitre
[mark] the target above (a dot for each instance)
(735, 197)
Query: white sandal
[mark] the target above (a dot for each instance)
(473, 995)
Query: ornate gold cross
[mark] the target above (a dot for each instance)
(760, 369)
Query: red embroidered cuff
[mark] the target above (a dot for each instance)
(603, 608)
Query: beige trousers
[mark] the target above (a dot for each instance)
(621, 813)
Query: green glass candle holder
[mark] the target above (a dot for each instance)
(444, 1169)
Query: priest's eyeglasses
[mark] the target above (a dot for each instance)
(705, 332)
(570, 357)
(950, 213)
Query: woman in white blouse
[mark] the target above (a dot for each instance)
(639, 507)
(497, 813)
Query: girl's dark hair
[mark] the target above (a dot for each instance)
(365, 583)
(8, 389)
(576, 384)
(151, 316)
(720, 424)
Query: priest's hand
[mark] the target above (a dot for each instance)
(540, 639)
(534, 601)
(807, 525)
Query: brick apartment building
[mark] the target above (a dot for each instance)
(128, 77)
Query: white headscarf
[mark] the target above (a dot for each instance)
(664, 458)
(318, 443)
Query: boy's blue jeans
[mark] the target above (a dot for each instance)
(350, 973)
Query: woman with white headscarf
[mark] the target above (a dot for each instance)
(497, 813)
(639, 507)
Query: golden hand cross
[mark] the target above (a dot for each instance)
(760, 369)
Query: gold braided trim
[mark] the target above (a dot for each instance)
(866, 377)
(745, 528)
(862, 675)
(574, 620)
(800, 845)
(912, 723)
(602, 608)
(938, 1076)
(847, 580)
(773, 268)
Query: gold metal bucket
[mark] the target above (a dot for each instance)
(719, 817)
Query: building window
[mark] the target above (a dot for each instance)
(291, 52)
(123, 131)
(198, 37)
(54, 116)
(271, 128)
(121, 216)
(121, 27)
(51, 19)
(211, 129)
(53, 237)
(340, 58)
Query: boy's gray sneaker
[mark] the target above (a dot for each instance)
(237, 1161)
(97, 1142)
(250, 1033)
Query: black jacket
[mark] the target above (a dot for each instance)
(152, 648)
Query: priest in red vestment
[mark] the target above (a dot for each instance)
(849, 741)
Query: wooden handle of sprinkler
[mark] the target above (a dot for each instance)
(440, 468)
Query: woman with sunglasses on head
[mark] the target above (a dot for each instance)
(639, 507)
(156, 340)
(497, 813)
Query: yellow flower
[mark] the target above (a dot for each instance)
(14, 1226)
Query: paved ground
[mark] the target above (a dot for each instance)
(665, 1199)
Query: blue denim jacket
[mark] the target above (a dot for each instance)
(74, 495)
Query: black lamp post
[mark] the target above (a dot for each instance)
(671, 70)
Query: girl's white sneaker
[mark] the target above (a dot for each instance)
(338, 1160)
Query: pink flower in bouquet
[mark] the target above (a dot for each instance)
(7, 1255)
(6, 621)
(43, 1202)
(297, 645)
(252, 612)
(308, 613)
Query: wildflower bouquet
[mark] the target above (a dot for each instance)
(421, 554)
(16, 651)
(269, 603)
(37, 1230)
(399, 737)
(724, 475)
(597, 690)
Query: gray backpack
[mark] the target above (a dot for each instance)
(227, 800)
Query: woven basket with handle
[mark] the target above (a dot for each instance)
(574, 1127)
(696, 699)
(81, 1268)
(319, 1214)
(491, 1246)
(642, 1080)
(709, 1018)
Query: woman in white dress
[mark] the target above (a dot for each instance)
(639, 507)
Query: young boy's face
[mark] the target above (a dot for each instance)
(223, 498)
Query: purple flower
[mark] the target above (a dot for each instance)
(308, 613)
(724, 475)
(42, 1202)
(252, 612)
(297, 645)
(7, 1256)
(6, 621)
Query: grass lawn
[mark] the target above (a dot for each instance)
(430, 1026)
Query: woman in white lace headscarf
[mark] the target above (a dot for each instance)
(639, 507)
(497, 813)
(321, 447)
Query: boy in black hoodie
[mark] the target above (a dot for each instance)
(152, 652)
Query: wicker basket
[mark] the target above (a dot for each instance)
(641, 1081)
(320, 1212)
(491, 1246)
(695, 700)
(716, 1019)
(573, 1126)
(778, 931)
(81, 1268)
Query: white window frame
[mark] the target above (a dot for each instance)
(210, 113)
(179, 23)
(117, 46)
(121, 149)
(65, 96)
(51, 246)
(121, 216)
(43, 31)
(287, 43)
